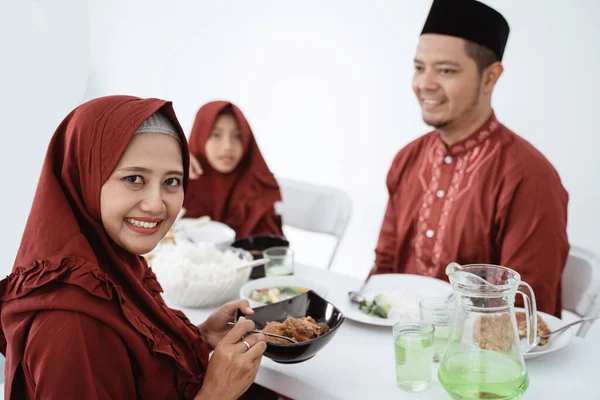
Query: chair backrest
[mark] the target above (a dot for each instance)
(314, 208)
(581, 285)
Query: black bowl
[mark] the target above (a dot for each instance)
(255, 245)
(307, 304)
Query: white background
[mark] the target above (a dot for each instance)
(325, 86)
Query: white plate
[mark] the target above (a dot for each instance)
(418, 284)
(213, 232)
(274, 281)
(556, 342)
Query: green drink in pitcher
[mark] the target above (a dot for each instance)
(413, 347)
(483, 374)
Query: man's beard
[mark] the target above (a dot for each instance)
(437, 125)
(445, 123)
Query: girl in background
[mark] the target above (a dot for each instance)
(235, 185)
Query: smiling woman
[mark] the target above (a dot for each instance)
(111, 186)
(145, 190)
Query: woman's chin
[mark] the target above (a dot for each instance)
(138, 248)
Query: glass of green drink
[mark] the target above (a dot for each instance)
(280, 261)
(438, 312)
(413, 347)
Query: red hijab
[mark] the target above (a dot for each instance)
(66, 260)
(241, 198)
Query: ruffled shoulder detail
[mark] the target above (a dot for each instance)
(89, 277)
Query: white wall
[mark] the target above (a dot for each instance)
(44, 65)
(326, 87)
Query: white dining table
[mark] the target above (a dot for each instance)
(358, 363)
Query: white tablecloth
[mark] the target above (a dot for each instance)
(359, 362)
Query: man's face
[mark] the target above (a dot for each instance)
(446, 81)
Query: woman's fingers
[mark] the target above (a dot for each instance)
(252, 340)
(256, 351)
(242, 327)
(195, 168)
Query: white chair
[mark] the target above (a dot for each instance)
(315, 208)
(581, 286)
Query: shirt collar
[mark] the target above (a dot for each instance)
(474, 139)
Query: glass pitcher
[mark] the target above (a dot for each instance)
(483, 357)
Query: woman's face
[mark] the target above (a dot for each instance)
(224, 149)
(141, 199)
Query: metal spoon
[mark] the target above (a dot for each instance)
(357, 297)
(561, 329)
(255, 263)
(269, 334)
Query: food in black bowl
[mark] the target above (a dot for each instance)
(255, 245)
(313, 323)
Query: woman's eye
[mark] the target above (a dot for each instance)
(215, 135)
(137, 179)
(173, 182)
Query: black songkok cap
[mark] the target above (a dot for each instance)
(470, 20)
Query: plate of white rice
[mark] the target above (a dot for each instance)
(401, 293)
(200, 274)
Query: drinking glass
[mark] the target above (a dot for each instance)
(413, 347)
(281, 261)
(438, 312)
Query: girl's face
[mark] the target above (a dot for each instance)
(224, 149)
(141, 199)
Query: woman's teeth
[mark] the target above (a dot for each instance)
(141, 224)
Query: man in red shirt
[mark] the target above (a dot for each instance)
(471, 191)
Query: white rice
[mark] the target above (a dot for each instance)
(405, 304)
(187, 263)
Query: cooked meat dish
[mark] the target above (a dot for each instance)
(299, 329)
(542, 327)
(494, 332)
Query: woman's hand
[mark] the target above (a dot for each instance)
(215, 327)
(234, 363)
(195, 167)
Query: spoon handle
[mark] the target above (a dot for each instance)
(255, 263)
(269, 334)
(568, 326)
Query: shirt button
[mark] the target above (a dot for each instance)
(429, 233)
(448, 160)
(440, 193)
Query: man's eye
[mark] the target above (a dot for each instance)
(446, 71)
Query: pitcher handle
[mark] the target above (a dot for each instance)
(530, 314)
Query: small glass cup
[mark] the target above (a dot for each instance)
(413, 347)
(438, 312)
(281, 261)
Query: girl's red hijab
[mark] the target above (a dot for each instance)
(241, 198)
(67, 261)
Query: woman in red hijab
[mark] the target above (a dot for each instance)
(81, 313)
(236, 186)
